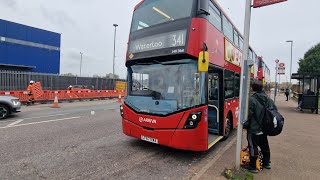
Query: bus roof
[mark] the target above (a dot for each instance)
(136, 7)
(221, 9)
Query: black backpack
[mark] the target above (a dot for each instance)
(272, 122)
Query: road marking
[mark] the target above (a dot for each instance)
(111, 109)
(54, 120)
(43, 116)
(14, 123)
(217, 157)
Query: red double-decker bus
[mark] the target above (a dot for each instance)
(174, 97)
(263, 73)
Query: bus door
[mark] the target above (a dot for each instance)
(214, 105)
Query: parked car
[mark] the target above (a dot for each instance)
(9, 105)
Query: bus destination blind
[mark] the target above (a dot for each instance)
(161, 41)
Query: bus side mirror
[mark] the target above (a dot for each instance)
(203, 61)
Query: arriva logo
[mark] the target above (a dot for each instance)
(147, 120)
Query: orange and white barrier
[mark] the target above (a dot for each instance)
(65, 95)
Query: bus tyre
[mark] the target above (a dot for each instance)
(4, 111)
(228, 128)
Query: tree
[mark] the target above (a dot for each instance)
(311, 61)
(110, 76)
(68, 74)
(96, 76)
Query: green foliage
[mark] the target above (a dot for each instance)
(232, 174)
(311, 61)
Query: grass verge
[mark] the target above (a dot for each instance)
(241, 174)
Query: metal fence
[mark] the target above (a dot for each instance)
(18, 81)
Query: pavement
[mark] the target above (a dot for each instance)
(84, 140)
(294, 153)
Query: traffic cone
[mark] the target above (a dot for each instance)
(55, 102)
(119, 98)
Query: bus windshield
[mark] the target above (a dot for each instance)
(153, 12)
(163, 88)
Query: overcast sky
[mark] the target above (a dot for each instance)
(87, 26)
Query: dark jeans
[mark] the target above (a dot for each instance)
(255, 141)
(31, 99)
(287, 97)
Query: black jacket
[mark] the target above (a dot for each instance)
(256, 112)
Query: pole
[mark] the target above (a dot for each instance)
(279, 84)
(80, 63)
(275, 81)
(114, 48)
(290, 62)
(245, 82)
(290, 68)
(279, 81)
(318, 89)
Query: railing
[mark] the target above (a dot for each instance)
(18, 81)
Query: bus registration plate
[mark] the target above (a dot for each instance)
(152, 140)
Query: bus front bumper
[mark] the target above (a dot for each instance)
(184, 139)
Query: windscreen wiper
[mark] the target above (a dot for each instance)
(174, 63)
(150, 62)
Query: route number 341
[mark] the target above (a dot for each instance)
(177, 40)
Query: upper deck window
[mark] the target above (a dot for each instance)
(241, 43)
(236, 38)
(154, 12)
(227, 28)
(215, 16)
(255, 58)
(260, 63)
(250, 54)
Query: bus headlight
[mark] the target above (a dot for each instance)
(193, 120)
(194, 117)
(121, 110)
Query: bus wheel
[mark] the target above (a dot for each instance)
(228, 128)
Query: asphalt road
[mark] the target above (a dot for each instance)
(84, 140)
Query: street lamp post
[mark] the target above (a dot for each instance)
(290, 41)
(275, 81)
(114, 48)
(81, 62)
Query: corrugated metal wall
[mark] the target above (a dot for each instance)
(24, 47)
(18, 81)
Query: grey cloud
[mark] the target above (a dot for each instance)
(57, 17)
(71, 63)
(9, 3)
(75, 54)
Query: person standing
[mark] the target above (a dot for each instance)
(287, 92)
(256, 138)
(30, 93)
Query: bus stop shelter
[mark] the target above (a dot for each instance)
(308, 93)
